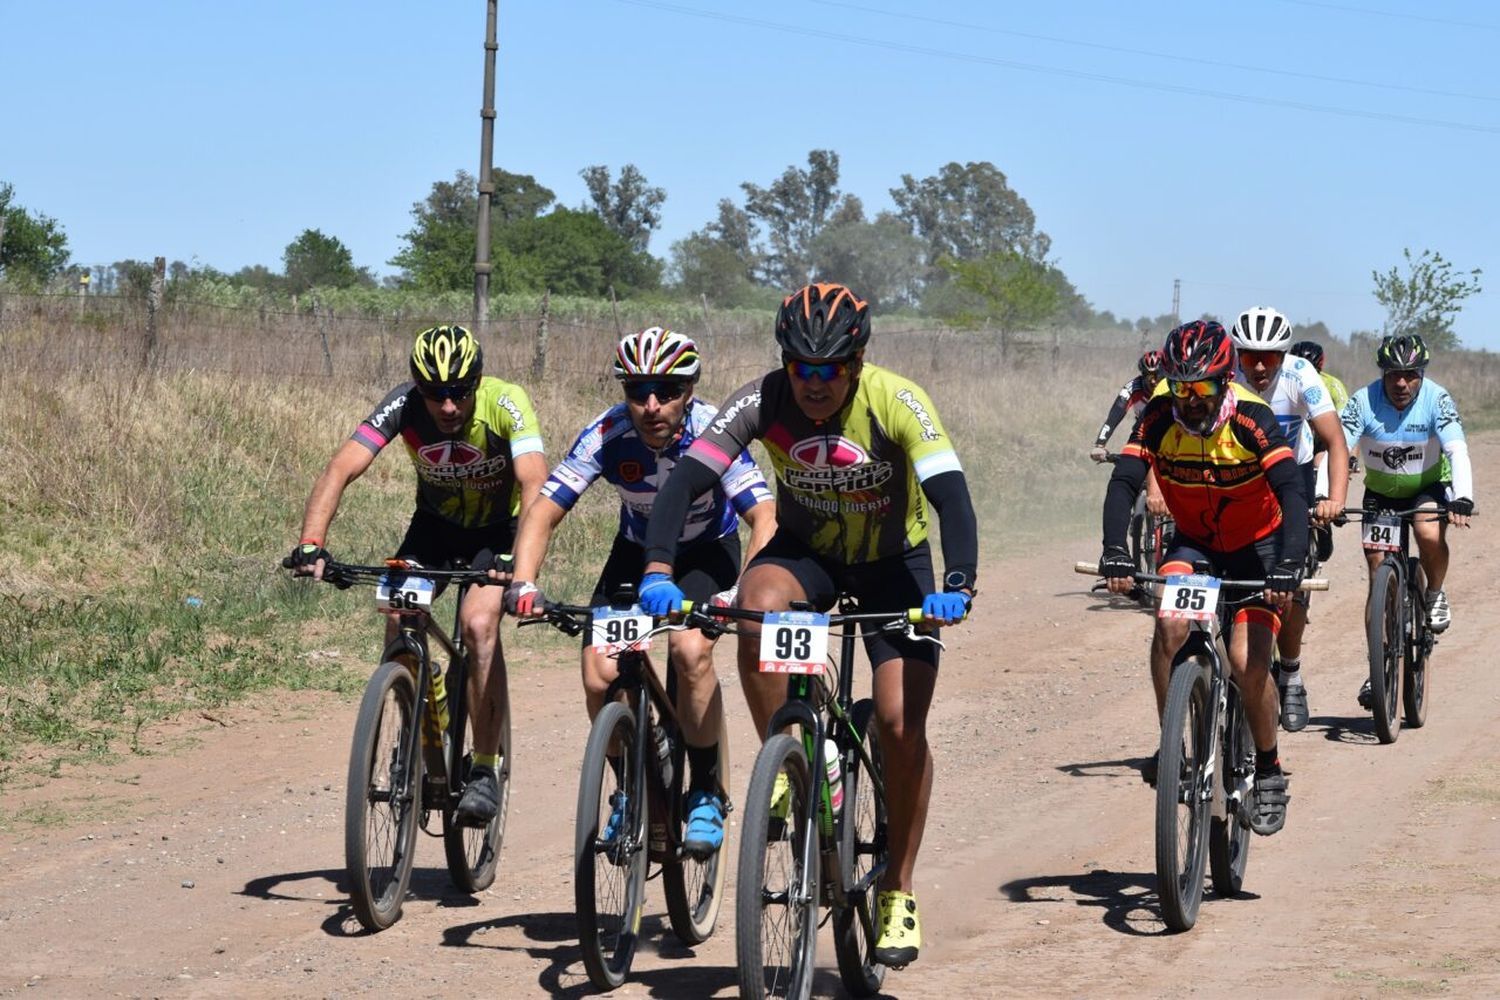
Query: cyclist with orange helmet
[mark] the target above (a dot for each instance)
(861, 462)
(1229, 479)
(633, 446)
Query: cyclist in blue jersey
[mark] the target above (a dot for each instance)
(1406, 430)
(633, 446)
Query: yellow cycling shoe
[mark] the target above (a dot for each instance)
(781, 796)
(900, 928)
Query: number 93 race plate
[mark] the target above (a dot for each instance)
(794, 642)
(397, 592)
(1194, 597)
(615, 630)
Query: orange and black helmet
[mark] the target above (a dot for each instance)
(823, 321)
(1198, 350)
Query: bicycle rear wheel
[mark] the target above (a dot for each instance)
(609, 865)
(474, 851)
(1384, 631)
(776, 909)
(380, 803)
(863, 853)
(1182, 805)
(1415, 648)
(694, 888)
(1229, 834)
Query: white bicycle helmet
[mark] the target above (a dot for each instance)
(657, 352)
(1261, 328)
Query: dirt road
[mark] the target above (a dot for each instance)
(212, 867)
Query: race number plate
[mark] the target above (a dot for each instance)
(1194, 597)
(794, 642)
(615, 629)
(397, 592)
(1382, 533)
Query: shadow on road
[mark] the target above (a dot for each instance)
(1104, 768)
(1358, 730)
(1128, 899)
(432, 884)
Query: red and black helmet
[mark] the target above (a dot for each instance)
(1150, 363)
(1198, 350)
(823, 321)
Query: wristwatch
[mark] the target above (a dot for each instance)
(957, 579)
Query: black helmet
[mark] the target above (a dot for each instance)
(823, 321)
(1403, 352)
(1198, 350)
(1311, 350)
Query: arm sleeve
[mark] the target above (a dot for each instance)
(1119, 499)
(690, 478)
(1463, 470)
(1116, 414)
(949, 493)
(1285, 480)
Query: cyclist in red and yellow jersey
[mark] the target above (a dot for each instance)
(1227, 473)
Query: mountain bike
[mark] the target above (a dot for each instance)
(632, 797)
(1396, 631)
(413, 747)
(1203, 814)
(815, 827)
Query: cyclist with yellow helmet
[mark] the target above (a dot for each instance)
(474, 442)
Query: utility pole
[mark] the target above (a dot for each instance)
(1176, 300)
(486, 176)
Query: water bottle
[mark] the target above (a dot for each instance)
(663, 755)
(835, 776)
(439, 699)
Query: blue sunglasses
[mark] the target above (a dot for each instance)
(825, 371)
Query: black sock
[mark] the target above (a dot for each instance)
(1267, 761)
(1291, 666)
(703, 768)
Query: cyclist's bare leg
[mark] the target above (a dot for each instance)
(1168, 638)
(699, 697)
(1431, 533)
(599, 671)
(480, 621)
(903, 694)
(1250, 663)
(766, 587)
(1289, 639)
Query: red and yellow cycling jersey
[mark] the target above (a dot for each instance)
(1215, 486)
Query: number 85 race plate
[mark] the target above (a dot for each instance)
(794, 642)
(1191, 596)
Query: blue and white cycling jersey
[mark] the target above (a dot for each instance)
(1296, 395)
(1404, 451)
(610, 447)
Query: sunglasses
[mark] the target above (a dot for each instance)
(665, 392)
(1203, 388)
(437, 393)
(825, 371)
(1270, 359)
(1403, 374)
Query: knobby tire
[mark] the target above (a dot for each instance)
(863, 847)
(1181, 813)
(1385, 633)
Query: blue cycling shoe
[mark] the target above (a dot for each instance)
(705, 828)
(611, 832)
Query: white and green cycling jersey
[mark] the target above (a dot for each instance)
(1406, 451)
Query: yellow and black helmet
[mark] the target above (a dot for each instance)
(446, 356)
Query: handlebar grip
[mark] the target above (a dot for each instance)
(1086, 568)
(914, 616)
(1315, 583)
(286, 562)
(687, 607)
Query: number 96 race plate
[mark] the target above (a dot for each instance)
(615, 630)
(794, 642)
(1191, 596)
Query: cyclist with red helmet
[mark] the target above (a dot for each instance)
(1131, 399)
(862, 462)
(1229, 479)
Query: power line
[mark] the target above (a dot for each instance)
(921, 50)
(1347, 8)
(1173, 56)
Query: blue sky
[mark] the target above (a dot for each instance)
(1264, 152)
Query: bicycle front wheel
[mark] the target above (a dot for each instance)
(776, 910)
(1229, 834)
(1384, 633)
(1416, 648)
(695, 888)
(380, 804)
(474, 851)
(1183, 793)
(863, 853)
(609, 847)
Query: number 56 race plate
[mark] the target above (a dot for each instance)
(794, 642)
(615, 630)
(1191, 596)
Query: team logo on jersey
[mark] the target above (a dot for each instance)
(929, 429)
(453, 463)
(1396, 457)
(1447, 413)
(630, 472)
(833, 464)
(450, 453)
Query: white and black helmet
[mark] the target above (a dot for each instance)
(1261, 328)
(657, 353)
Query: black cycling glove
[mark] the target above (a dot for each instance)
(1284, 578)
(306, 554)
(1116, 563)
(1463, 506)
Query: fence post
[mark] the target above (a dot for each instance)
(324, 315)
(539, 356)
(153, 310)
(1056, 347)
(614, 307)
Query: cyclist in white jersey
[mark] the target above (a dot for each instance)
(1300, 400)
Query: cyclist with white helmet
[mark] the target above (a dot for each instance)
(1301, 403)
(633, 446)
(1313, 351)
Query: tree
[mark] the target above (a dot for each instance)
(968, 212)
(33, 248)
(794, 210)
(880, 260)
(1427, 300)
(720, 260)
(1016, 290)
(630, 206)
(574, 253)
(439, 251)
(315, 260)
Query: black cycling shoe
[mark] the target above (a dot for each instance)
(1293, 707)
(1366, 698)
(481, 798)
(1149, 769)
(1268, 799)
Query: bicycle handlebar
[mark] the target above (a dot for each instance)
(344, 575)
(1313, 583)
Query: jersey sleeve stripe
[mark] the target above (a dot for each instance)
(709, 454)
(1276, 454)
(936, 464)
(525, 445)
(370, 437)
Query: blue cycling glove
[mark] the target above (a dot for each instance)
(660, 596)
(950, 607)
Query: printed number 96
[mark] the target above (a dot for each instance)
(621, 630)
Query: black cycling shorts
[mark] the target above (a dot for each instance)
(701, 569)
(894, 583)
(440, 544)
(1248, 563)
(1439, 493)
